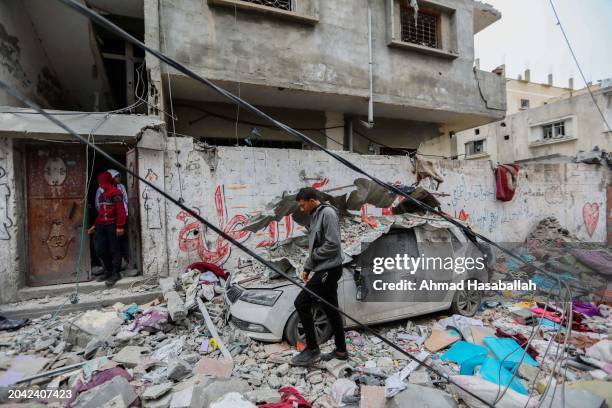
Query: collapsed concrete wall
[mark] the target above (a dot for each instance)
(230, 184)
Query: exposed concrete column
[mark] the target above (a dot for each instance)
(335, 136)
(152, 38)
(12, 272)
(153, 235)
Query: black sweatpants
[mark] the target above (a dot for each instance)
(108, 248)
(324, 284)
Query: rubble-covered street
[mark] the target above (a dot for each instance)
(180, 351)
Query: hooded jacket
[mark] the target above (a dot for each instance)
(324, 240)
(110, 202)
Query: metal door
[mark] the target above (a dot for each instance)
(133, 210)
(55, 196)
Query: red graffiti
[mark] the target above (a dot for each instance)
(320, 183)
(273, 232)
(463, 216)
(191, 238)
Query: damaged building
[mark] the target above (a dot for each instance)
(307, 64)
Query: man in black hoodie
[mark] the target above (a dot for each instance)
(325, 263)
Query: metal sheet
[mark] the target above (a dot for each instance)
(55, 191)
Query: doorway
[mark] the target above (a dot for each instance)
(56, 187)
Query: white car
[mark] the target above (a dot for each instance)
(264, 309)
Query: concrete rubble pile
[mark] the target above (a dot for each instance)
(180, 351)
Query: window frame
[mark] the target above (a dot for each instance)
(566, 129)
(447, 26)
(473, 142)
(303, 11)
(437, 14)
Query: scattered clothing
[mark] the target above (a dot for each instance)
(290, 398)
(12, 324)
(506, 180)
(207, 266)
(520, 339)
(599, 260)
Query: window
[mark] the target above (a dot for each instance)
(553, 131)
(279, 4)
(426, 29)
(399, 151)
(475, 147)
(476, 131)
(524, 103)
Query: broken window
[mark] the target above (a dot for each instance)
(424, 30)
(553, 130)
(278, 4)
(524, 103)
(475, 147)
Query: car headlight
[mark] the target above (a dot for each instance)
(261, 296)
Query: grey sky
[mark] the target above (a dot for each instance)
(527, 37)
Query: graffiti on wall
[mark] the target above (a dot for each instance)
(590, 216)
(5, 194)
(194, 237)
(152, 203)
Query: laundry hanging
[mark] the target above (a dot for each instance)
(506, 180)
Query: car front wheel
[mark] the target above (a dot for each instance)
(466, 302)
(294, 331)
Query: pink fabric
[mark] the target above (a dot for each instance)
(99, 377)
(290, 398)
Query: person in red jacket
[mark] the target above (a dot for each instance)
(108, 228)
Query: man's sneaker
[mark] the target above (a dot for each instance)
(334, 355)
(306, 358)
(112, 280)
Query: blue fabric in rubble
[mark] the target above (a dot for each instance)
(467, 355)
(508, 352)
(493, 372)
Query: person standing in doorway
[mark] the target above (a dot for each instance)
(125, 246)
(325, 264)
(109, 228)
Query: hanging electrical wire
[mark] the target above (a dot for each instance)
(234, 242)
(569, 45)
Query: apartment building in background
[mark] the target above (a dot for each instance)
(543, 123)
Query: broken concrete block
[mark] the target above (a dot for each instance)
(131, 356)
(178, 369)
(43, 343)
(372, 397)
(232, 400)
(21, 367)
(263, 395)
(419, 396)
(156, 391)
(210, 366)
(190, 397)
(116, 402)
(338, 368)
(175, 305)
(420, 377)
(90, 325)
(105, 392)
(167, 285)
(218, 388)
(93, 346)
